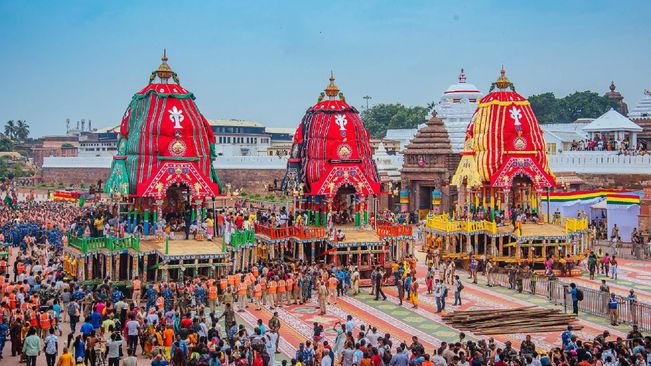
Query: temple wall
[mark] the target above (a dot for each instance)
(76, 176)
(251, 181)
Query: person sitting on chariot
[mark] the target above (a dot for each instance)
(341, 236)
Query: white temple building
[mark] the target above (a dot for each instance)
(456, 107)
(643, 108)
(613, 124)
(386, 165)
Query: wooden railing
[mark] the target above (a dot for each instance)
(575, 225)
(393, 231)
(443, 223)
(86, 245)
(302, 233)
(242, 237)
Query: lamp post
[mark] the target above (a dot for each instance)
(367, 97)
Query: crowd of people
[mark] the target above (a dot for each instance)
(604, 143)
(193, 321)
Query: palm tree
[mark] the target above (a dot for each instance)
(22, 130)
(10, 129)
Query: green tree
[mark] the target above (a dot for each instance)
(545, 107)
(585, 104)
(10, 129)
(6, 144)
(22, 130)
(12, 169)
(381, 117)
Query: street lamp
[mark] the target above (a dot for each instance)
(367, 97)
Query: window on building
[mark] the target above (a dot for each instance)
(551, 148)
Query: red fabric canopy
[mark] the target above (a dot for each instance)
(331, 148)
(167, 139)
(506, 141)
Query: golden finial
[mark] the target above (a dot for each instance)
(502, 83)
(332, 90)
(164, 71)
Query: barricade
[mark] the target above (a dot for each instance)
(594, 302)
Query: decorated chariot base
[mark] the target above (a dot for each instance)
(163, 173)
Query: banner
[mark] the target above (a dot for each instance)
(436, 201)
(404, 201)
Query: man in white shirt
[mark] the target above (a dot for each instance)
(326, 360)
(270, 344)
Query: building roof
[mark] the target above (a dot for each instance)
(612, 121)
(565, 136)
(286, 130)
(555, 128)
(108, 129)
(234, 123)
(643, 108)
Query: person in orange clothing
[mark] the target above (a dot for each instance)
(263, 285)
(289, 284)
(45, 323)
(257, 295)
(223, 284)
(168, 340)
(297, 289)
(281, 292)
(212, 297)
(241, 295)
(332, 289)
(66, 358)
(271, 290)
(137, 291)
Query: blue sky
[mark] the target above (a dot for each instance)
(268, 61)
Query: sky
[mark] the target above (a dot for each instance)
(268, 61)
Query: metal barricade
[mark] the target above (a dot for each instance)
(594, 302)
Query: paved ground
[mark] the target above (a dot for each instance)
(403, 321)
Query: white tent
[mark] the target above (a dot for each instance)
(626, 219)
(612, 121)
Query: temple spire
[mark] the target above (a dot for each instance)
(462, 77)
(502, 82)
(164, 71)
(332, 90)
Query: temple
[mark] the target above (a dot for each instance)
(428, 162)
(618, 98)
(456, 107)
(502, 180)
(641, 115)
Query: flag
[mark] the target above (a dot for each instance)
(9, 202)
(82, 200)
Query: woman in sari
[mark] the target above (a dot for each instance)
(414, 292)
(340, 339)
